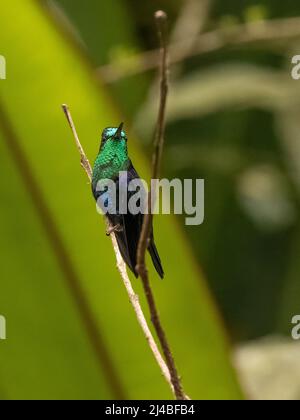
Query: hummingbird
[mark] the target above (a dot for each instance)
(111, 162)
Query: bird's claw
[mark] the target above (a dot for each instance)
(113, 229)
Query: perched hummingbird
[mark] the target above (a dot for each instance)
(111, 161)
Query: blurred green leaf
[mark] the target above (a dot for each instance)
(108, 33)
(264, 194)
(222, 87)
(48, 354)
(289, 128)
(256, 13)
(97, 23)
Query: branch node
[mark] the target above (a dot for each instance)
(160, 16)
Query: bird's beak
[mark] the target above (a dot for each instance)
(119, 131)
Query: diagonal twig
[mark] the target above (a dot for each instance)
(279, 32)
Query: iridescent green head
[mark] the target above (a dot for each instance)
(111, 135)
(112, 157)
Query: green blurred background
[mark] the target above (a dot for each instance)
(232, 284)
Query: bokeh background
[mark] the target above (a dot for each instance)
(232, 284)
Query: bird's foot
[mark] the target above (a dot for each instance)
(113, 229)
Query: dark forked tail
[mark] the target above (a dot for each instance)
(155, 258)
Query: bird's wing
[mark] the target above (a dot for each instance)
(133, 227)
(128, 239)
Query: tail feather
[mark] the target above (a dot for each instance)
(155, 258)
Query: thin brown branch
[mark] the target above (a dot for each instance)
(158, 142)
(133, 297)
(161, 19)
(276, 31)
(83, 159)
